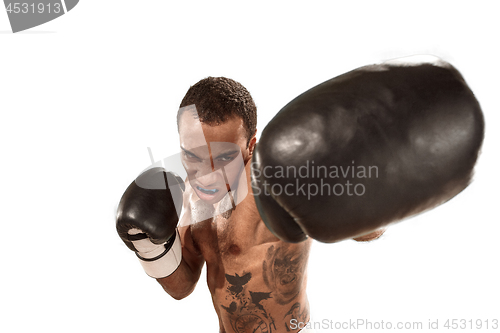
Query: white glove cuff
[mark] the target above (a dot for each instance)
(166, 263)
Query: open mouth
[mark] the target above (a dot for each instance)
(206, 194)
(207, 191)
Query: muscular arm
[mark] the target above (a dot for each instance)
(182, 282)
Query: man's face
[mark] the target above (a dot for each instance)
(213, 156)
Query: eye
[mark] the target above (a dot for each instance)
(190, 155)
(226, 158)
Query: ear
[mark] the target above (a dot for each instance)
(251, 144)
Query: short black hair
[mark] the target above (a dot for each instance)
(217, 99)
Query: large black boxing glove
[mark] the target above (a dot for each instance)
(366, 149)
(147, 217)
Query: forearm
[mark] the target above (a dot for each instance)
(182, 282)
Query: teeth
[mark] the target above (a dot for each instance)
(204, 190)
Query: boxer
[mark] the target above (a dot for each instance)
(236, 224)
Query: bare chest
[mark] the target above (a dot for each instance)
(230, 236)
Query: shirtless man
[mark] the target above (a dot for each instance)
(257, 281)
(400, 119)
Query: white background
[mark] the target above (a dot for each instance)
(82, 97)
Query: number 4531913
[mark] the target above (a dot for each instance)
(24, 8)
(471, 324)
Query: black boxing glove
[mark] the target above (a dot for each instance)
(381, 143)
(147, 217)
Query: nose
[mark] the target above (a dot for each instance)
(209, 179)
(202, 168)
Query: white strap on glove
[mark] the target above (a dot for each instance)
(158, 260)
